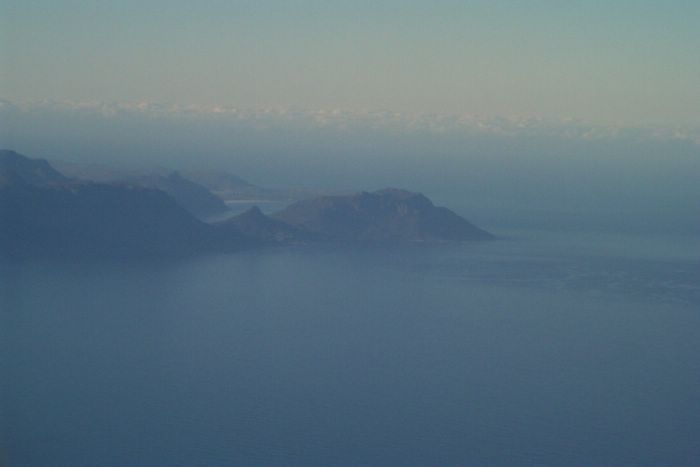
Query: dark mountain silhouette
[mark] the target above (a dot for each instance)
(15, 167)
(389, 215)
(255, 224)
(45, 213)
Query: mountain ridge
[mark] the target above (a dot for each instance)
(43, 212)
(49, 214)
(193, 196)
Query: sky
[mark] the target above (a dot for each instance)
(623, 62)
(575, 111)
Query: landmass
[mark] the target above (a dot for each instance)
(45, 212)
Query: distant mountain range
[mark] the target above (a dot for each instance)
(192, 196)
(44, 212)
(202, 192)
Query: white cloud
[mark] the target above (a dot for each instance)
(344, 120)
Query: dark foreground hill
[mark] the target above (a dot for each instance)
(48, 214)
(16, 168)
(43, 212)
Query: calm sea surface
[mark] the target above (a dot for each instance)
(536, 349)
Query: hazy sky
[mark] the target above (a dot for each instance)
(624, 61)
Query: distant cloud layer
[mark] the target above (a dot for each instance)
(626, 62)
(341, 119)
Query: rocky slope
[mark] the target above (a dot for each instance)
(255, 224)
(192, 196)
(389, 215)
(44, 213)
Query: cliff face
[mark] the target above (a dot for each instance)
(389, 215)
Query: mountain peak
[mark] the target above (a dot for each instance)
(14, 166)
(255, 224)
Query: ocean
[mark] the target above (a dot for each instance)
(540, 348)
